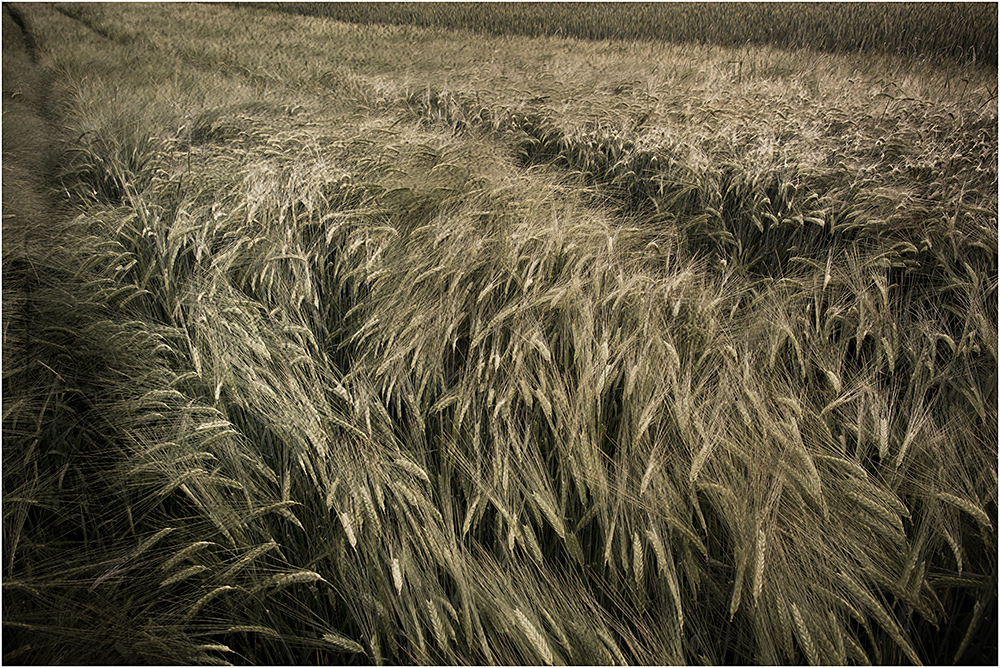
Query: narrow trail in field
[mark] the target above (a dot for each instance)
(95, 29)
(22, 38)
(32, 208)
(28, 151)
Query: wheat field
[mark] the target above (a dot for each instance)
(333, 342)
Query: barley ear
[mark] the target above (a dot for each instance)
(758, 571)
(349, 529)
(343, 642)
(637, 559)
(804, 638)
(535, 637)
(972, 509)
(397, 576)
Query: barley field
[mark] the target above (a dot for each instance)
(966, 31)
(349, 335)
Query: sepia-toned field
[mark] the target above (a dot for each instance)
(335, 343)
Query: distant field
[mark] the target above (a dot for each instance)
(335, 342)
(966, 31)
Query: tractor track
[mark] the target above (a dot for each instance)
(34, 211)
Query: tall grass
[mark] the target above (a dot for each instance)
(340, 362)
